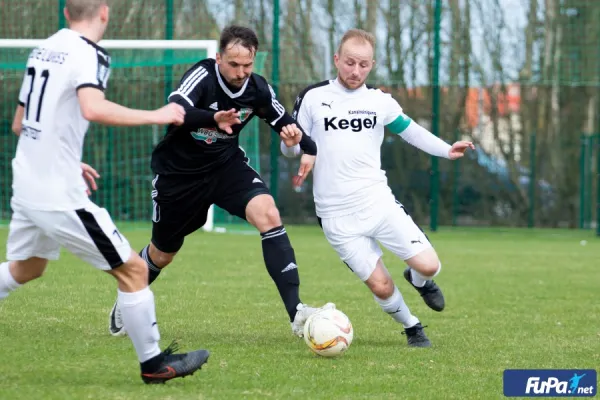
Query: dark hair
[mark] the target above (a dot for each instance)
(235, 34)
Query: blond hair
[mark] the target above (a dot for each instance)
(357, 34)
(80, 10)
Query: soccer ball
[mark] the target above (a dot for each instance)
(328, 333)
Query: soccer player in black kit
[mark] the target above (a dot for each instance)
(200, 163)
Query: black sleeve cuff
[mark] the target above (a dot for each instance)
(91, 85)
(195, 117)
(308, 145)
(21, 103)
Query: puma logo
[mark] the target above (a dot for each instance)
(415, 241)
(327, 105)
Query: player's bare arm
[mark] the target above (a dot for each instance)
(96, 108)
(422, 139)
(17, 124)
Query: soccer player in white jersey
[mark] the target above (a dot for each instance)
(62, 90)
(354, 204)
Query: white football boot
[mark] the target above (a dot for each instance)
(302, 315)
(115, 321)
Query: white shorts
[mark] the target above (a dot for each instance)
(354, 237)
(89, 233)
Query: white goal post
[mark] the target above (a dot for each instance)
(211, 47)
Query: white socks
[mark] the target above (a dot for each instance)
(397, 308)
(419, 280)
(7, 282)
(139, 319)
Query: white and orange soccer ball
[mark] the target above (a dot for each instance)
(328, 333)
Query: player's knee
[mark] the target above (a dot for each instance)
(266, 212)
(161, 259)
(272, 215)
(430, 268)
(267, 218)
(383, 289)
(132, 275)
(139, 269)
(380, 282)
(262, 212)
(427, 263)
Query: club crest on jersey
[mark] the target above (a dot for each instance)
(209, 135)
(245, 113)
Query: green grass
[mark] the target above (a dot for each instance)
(515, 299)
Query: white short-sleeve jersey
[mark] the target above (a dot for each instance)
(348, 127)
(46, 167)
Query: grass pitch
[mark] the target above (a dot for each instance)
(515, 299)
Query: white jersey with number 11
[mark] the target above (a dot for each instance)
(46, 167)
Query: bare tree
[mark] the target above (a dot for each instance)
(372, 9)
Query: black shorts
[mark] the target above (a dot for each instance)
(181, 202)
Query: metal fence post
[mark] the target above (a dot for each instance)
(61, 15)
(435, 120)
(582, 181)
(532, 180)
(456, 177)
(275, 83)
(168, 54)
(597, 137)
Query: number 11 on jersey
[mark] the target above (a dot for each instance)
(45, 75)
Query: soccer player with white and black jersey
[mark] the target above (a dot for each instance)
(200, 163)
(62, 90)
(354, 204)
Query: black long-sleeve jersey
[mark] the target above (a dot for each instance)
(199, 146)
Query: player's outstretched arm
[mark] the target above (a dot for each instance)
(284, 124)
(422, 139)
(96, 108)
(17, 123)
(273, 113)
(198, 118)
